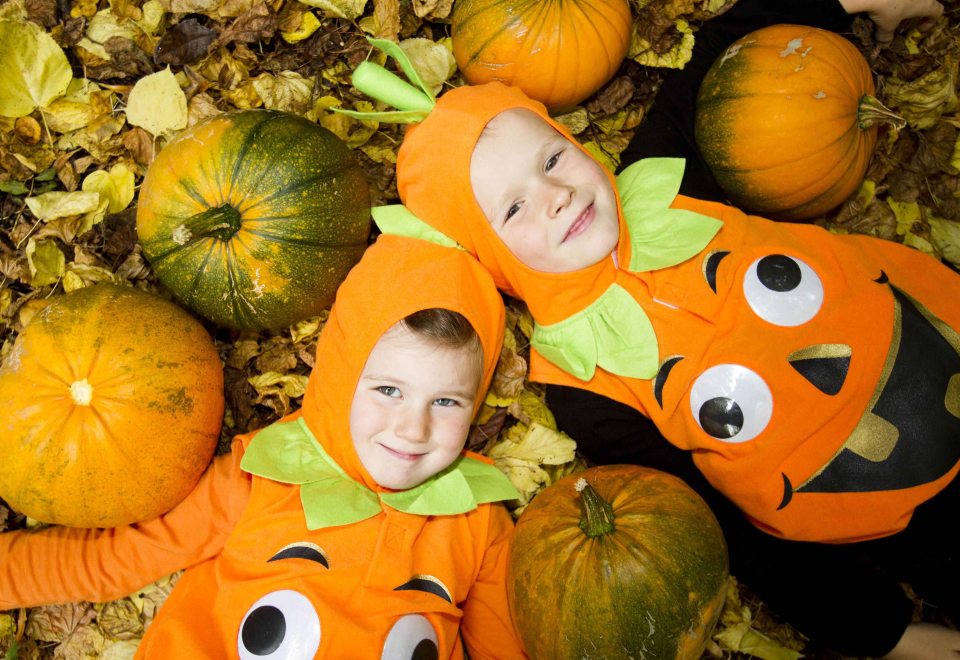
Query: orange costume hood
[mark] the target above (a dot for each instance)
(291, 550)
(815, 377)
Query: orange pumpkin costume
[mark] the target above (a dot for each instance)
(307, 556)
(815, 377)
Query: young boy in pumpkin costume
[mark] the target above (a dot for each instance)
(814, 380)
(354, 528)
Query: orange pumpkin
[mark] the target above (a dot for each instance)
(113, 400)
(786, 120)
(558, 52)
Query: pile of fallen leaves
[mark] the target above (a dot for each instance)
(90, 90)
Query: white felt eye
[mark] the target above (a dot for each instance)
(731, 403)
(411, 638)
(782, 290)
(281, 625)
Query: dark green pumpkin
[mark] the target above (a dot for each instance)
(253, 218)
(631, 565)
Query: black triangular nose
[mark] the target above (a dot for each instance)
(824, 365)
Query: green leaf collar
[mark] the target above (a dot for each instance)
(288, 452)
(614, 331)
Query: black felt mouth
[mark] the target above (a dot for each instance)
(911, 434)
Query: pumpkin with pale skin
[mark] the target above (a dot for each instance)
(252, 219)
(617, 561)
(558, 52)
(113, 403)
(787, 121)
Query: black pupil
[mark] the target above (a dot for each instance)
(264, 630)
(779, 273)
(721, 417)
(426, 650)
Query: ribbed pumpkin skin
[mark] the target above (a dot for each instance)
(152, 421)
(301, 218)
(777, 121)
(557, 51)
(652, 588)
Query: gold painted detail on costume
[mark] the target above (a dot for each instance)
(874, 438)
(821, 351)
(952, 400)
(859, 440)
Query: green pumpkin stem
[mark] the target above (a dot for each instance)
(220, 222)
(597, 518)
(871, 111)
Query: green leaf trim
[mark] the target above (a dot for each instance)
(399, 220)
(660, 236)
(613, 333)
(289, 453)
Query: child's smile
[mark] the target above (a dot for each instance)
(412, 407)
(551, 204)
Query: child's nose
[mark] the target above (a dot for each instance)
(412, 424)
(559, 198)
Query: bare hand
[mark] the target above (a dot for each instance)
(927, 641)
(888, 14)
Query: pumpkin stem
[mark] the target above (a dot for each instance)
(597, 518)
(871, 111)
(219, 222)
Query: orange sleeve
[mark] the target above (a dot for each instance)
(63, 564)
(487, 627)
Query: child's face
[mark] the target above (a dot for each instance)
(412, 408)
(551, 204)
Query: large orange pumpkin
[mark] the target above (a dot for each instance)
(253, 218)
(557, 51)
(786, 120)
(113, 400)
(619, 561)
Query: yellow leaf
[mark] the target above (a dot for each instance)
(744, 639)
(945, 235)
(540, 445)
(308, 25)
(434, 62)
(152, 16)
(64, 115)
(576, 121)
(907, 214)
(157, 104)
(531, 409)
(287, 91)
(600, 155)
(46, 262)
(56, 204)
(116, 186)
(675, 58)
(33, 69)
(292, 384)
(348, 9)
(918, 243)
(104, 25)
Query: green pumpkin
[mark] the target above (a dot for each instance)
(253, 218)
(619, 561)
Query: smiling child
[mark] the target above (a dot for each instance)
(809, 379)
(356, 527)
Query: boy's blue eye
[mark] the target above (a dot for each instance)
(512, 211)
(552, 161)
(388, 390)
(447, 403)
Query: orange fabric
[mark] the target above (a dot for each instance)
(229, 531)
(811, 434)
